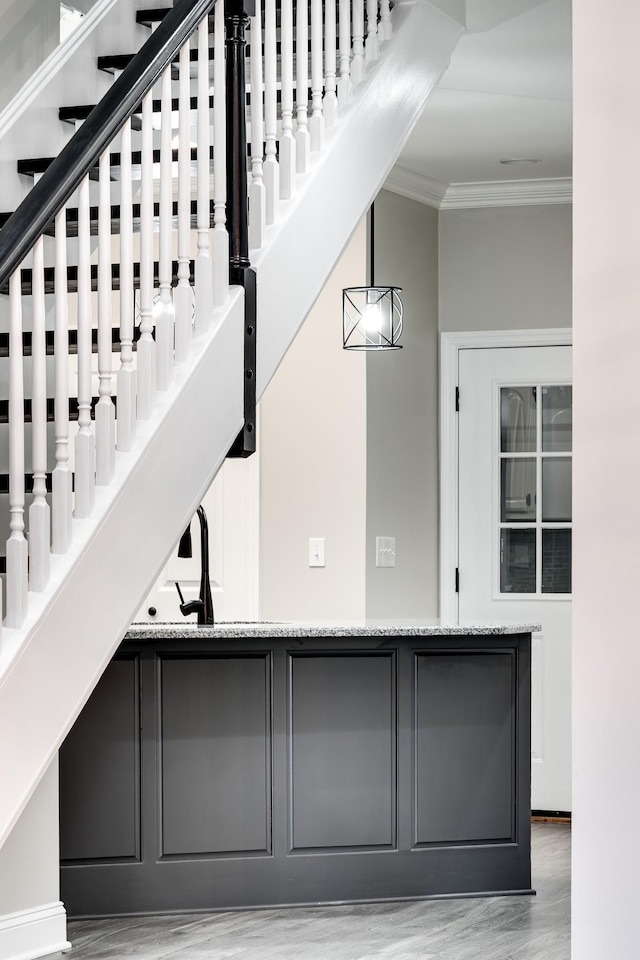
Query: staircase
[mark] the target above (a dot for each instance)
(333, 91)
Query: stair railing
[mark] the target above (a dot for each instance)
(280, 152)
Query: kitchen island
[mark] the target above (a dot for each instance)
(252, 765)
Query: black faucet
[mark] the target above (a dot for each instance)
(203, 606)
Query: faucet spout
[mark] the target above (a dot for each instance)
(203, 606)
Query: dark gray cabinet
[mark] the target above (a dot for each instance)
(207, 773)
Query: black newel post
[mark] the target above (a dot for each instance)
(237, 13)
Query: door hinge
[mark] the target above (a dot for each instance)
(457, 399)
(457, 580)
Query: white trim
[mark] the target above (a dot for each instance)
(416, 187)
(52, 65)
(450, 346)
(28, 934)
(488, 193)
(508, 193)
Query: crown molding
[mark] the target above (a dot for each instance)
(416, 187)
(489, 193)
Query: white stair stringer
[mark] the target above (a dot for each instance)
(50, 666)
(316, 225)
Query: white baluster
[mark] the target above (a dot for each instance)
(385, 28)
(126, 419)
(183, 294)
(204, 264)
(303, 142)
(270, 169)
(17, 549)
(257, 192)
(330, 103)
(84, 443)
(146, 343)
(165, 316)
(220, 237)
(316, 122)
(345, 92)
(287, 140)
(62, 496)
(371, 45)
(357, 66)
(105, 410)
(39, 511)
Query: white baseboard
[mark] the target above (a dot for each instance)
(34, 933)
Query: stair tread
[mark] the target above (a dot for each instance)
(73, 410)
(82, 111)
(153, 15)
(27, 341)
(28, 167)
(26, 276)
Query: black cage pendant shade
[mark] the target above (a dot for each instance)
(371, 316)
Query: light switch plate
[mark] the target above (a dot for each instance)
(316, 552)
(385, 551)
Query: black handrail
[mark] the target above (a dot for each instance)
(66, 172)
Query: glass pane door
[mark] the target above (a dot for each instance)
(535, 433)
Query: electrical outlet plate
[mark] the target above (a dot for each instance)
(385, 551)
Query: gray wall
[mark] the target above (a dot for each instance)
(485, 268)
(402, 418)
(29, 31)
(505, 268)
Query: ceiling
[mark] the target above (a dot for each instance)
(505, 95)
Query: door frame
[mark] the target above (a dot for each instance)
(451, 343)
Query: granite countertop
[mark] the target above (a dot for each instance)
(228, 630)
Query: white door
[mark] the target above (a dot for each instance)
(515, 432)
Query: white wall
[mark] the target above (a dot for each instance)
(505, 268)
(32, 919)
(606, 647)
(29, 859)
(402, 418)
(313, 464)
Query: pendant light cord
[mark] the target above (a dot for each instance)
(371, 243)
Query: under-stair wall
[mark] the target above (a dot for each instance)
(49, 664)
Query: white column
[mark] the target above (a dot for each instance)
(203, 265)
(271, 173)
(220, 236)
(345, 92)
(126, 417)
(17, 549)
(62, 480)
(357, 66)
(316, 122)
(84, 445)
(39, 511)
(183, 295)
(303, 141)
(146, 344)
(164, 311)
(385, 28)
(105, 410)
(330, 103)
(606, 465)
(371, 44)
(257, 193)
(287, 140)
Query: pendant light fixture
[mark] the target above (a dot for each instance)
(371, 316)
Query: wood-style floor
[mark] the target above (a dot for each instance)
(499, 928)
